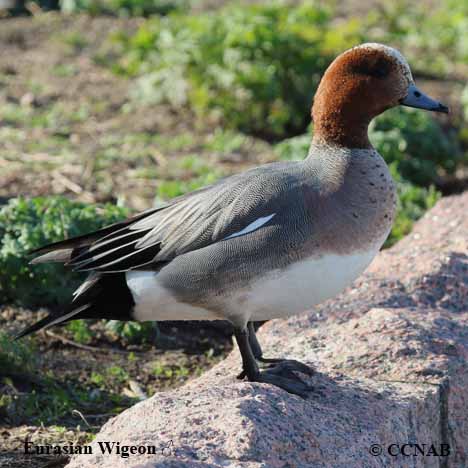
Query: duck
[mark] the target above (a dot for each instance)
(271, 242)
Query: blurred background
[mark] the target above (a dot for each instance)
(110, 106)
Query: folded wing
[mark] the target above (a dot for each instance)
(212, 214)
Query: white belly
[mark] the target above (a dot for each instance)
(304, 284)
(279, 294)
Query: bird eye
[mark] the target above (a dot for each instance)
(376, 69)
(377, 72)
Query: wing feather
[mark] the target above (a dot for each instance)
(189, 222)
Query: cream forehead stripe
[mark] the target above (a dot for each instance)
(390, 51)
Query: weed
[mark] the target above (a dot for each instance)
(80, 331)
(75, 41)
(117, 373)
(28, 224)
(17, 356)
(124, 7)
(253, 67)
(134, 332)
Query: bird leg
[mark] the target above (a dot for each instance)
(279, 374)
(291, 364)
(254, 344)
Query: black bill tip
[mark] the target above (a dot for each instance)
(417, 99)
(441, 108)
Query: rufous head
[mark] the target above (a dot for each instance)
(360, 84)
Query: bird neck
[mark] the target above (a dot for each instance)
(343, 126)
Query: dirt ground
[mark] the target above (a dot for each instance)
(69, 126)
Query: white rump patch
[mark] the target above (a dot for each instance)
(153, 302)
(258, 223)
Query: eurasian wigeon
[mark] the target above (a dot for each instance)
(270, 242)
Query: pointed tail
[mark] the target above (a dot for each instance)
(49, 321)
(101, 296)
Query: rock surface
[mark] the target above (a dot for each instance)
(391, 355)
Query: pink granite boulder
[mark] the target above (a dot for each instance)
(391, 387)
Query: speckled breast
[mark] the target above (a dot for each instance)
(354, 207)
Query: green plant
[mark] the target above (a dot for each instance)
(413, 202)
(65, 70)
(117, 373)
(438, 46)
(295, 148)
(463, 133)
(75, 41)
(253, 67)
(464, 100)
(16, 356)
(55, 117)
(54, 400)
(98, 379)
(26, 224)
(225, 141)
(415, 141)
(179, 372)
(134, 332)
(80, 330)
(186, 174)
(123, 7)
(160, 370)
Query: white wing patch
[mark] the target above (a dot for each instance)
(258, 223)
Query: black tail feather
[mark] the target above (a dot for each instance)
(33, 328)
(50, 320)
(103, 296)
(121, 259)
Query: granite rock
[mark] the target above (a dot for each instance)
(391, 360)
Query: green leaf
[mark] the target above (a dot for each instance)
(27, 224)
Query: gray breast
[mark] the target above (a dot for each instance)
(352, 200)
